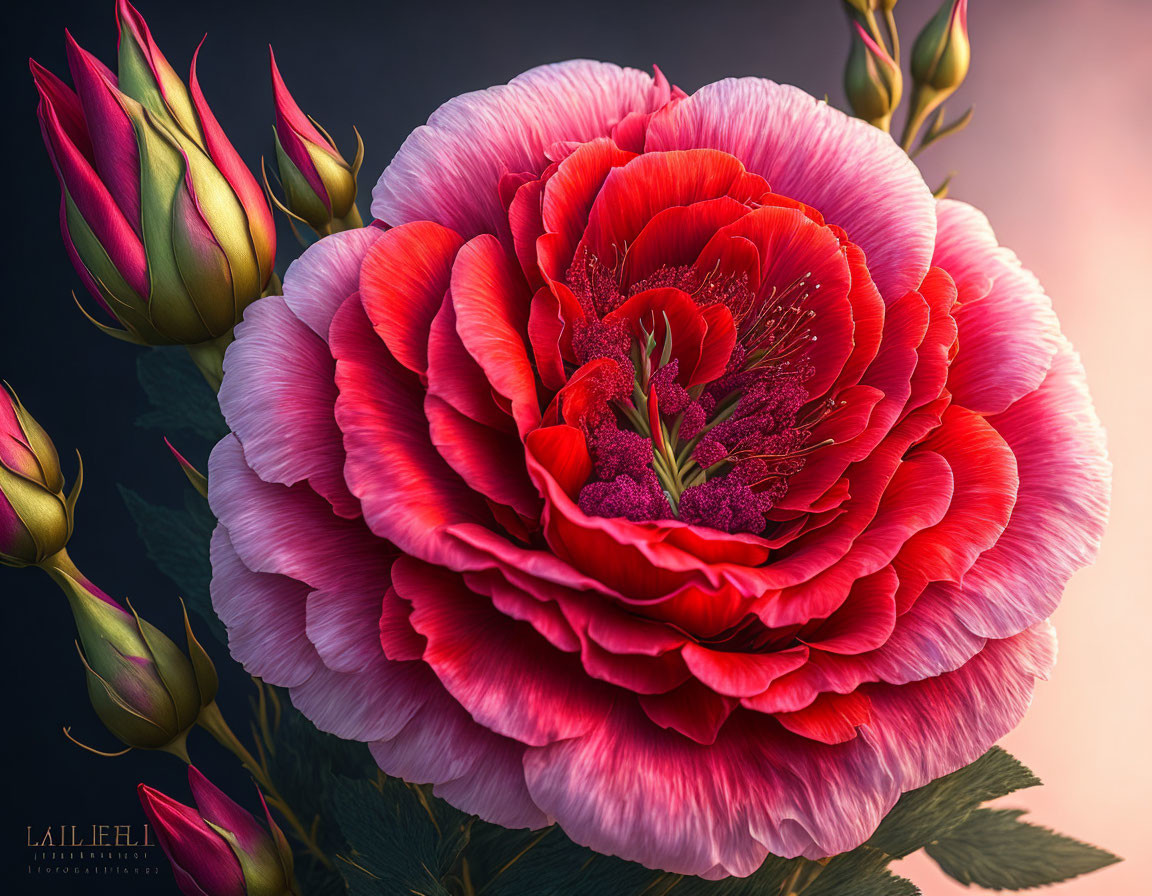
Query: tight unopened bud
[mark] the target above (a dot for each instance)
(146, 691)
(218, 848)
(161, 219)
(872, 80)
(35, 517)
(319, 185)
(941, 54)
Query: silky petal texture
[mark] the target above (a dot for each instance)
(1065, 485)
(474, 769)
(284, 415)
(403, 540)
(202, 860)
(1008, 331)
(408, 491)
(448, 170)
(402, 286)
(812, 152)
(265, 616)
(317, 283)
(712, 810)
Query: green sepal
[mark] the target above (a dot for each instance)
(207, 681)
(170, 102)
(174, 670)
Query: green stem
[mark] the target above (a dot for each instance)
(209, 358)
(212, 721)
(351, 221)
(924, 103)
(893, 36)
(275, 286)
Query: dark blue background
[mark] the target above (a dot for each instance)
(379, 66)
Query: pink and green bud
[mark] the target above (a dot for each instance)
(218, 848)
(941, 54)
(146, 691)
(35, 516)
(872, 80)
(319, 185)
(165, 225)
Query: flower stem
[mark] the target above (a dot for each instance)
(351, 221)
(212, 721)
(209, 358)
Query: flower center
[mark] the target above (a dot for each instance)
(717, 453)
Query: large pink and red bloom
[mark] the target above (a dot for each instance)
(673, 468)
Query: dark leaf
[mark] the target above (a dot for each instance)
(928, 813)
(181, 401)
(398, 841)
(176, 540)
(862, 872)
(994, 850)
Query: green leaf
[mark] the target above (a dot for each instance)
(994, 850)
(398, 840)
(305, 764)
(180, 399)
(176, 540)
(547, 863)
(926, 814)
(861, 872)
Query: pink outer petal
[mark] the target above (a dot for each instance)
(930, 728)
(475, 770)
(629, 788)
(290, 531)
(372, 704)
(279, 399)
(1008, 331)
(265, 617)
(317, 283)
(1061, 506)
(498, 670)
(448, 171)
(344, 625)
(852, 172)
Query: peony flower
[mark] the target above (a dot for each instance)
(673, 468)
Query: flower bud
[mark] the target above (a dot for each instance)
(35, 517)
(162, 221)
(872, 80)
(218, 848)
(319, 185)
(941, 53)
(147, 691)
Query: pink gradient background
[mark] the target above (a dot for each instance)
(1059, 156)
